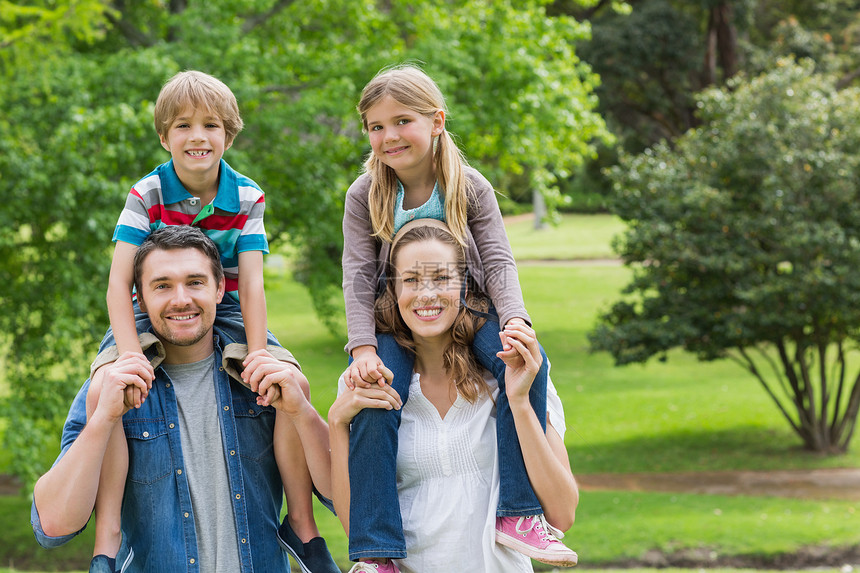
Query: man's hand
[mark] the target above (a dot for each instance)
(366, 369)
(124, 384)
(283, 382)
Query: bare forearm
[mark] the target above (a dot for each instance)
(65, 496)
(253, 302)
(339, 439)
(121, 312)
(252, 298)
(547, 466)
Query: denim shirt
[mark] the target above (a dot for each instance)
(157, 517)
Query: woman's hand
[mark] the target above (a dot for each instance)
(351, 402)
(523, 363)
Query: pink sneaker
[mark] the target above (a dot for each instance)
(534, 537)
(374, 567)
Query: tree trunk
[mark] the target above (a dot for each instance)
(539, 205)
(721, 43)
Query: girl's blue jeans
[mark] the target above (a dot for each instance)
(375, 527)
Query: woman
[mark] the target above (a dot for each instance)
(447, 459)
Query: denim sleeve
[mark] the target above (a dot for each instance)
(44, 540)
(75, 422)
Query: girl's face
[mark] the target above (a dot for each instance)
(428, 288)
(403, 138)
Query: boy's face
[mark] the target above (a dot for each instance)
(196, 140)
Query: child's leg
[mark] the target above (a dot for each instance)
(298, 485)
(108, 506)
(375, 527)
(516, 496)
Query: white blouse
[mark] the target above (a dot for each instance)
(448, 483)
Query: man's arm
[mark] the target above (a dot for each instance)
(66, 494)
(294, 401)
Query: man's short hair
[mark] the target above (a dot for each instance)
(177, 237)
(199, 91)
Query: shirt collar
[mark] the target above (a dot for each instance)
(227, 198)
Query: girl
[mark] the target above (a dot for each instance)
(447, 473)
(416, 171)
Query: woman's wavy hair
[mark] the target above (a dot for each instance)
(458, 358)
(411, 87)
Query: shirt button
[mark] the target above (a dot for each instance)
(226, 408)
(251, 412)
(167, 385)
(179, 472)
(170, 426)
(191, 561)
(146, 434)
(238, 496)
(244, 540)
(221, 369)
(186, 514)
(232, 452)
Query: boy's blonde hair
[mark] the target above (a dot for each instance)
(199, 91)
(411, 87)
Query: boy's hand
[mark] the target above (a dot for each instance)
(250, 365)
(366, 369)
(284, 381)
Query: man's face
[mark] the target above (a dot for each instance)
(180, 293)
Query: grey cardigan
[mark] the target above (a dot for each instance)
(488, 256)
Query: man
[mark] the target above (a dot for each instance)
(203, 491)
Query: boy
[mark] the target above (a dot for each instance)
(197, 119)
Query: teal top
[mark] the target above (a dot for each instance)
(433, 208)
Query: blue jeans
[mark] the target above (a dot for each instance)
(375, 526)
(228, 319)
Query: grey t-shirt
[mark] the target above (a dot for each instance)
(205, 465)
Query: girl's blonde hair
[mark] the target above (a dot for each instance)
(458, 358)
(411, 87)
(198, 91)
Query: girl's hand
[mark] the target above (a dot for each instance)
(351, 402)
(523, 360)
(366, 369)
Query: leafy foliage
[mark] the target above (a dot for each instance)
(77, 83)
(745, 239)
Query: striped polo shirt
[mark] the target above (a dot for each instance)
(234, 219)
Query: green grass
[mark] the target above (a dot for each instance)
(576, 237)
(681, 415)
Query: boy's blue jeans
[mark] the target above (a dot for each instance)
(375, 526)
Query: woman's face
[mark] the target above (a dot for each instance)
(428, 288)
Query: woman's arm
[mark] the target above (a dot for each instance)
(544, 454)
(340, 415)
(252, 299)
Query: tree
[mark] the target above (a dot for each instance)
(745, 244)
(78, 83)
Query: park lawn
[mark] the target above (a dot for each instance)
(575, 237)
